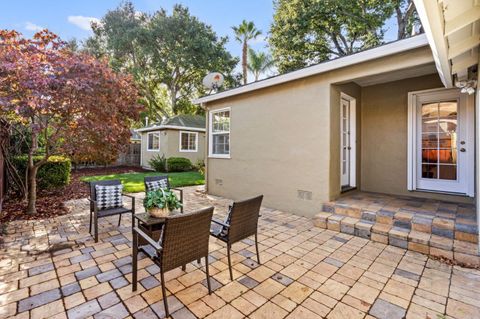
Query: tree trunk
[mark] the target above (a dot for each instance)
(32, 187)
(401, 23)
(244, 61)
(174, 101)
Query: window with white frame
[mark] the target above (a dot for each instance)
(188, 141)
(153, 141)
(220, 133)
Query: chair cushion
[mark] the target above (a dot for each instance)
(224, 232)
(154, 185)
(113, 211)
(150, 251)
(217, 231)
(109, 196)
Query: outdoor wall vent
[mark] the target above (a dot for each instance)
(304, 195)
(219, 181)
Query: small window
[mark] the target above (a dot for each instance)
(153, 141)
(188, 141)
(220, 133)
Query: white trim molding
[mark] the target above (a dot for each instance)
(477, 159)
(413, 165)
(367, 55)
(210, 133)
(180, 149)
(353, 138)
(148, 142)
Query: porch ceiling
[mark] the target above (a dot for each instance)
(397, 75)
(453, 31)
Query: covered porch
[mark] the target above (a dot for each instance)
(403, 169)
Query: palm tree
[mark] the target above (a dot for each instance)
(259, 62)
(245, 32)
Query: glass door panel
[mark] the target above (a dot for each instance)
(439, 140)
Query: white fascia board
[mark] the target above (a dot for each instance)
(432, 20)
(367, 55)
(172, 127)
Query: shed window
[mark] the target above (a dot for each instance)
(153, 141)
(188, 141)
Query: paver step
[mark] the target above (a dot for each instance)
(405, 237)
(465, 229)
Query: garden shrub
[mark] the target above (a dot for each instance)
(179, 164)
(200, 166)
(55, 173)
(158, 163)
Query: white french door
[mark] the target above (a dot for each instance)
(347, 141)
(443, 142)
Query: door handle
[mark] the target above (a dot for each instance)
(463, 150)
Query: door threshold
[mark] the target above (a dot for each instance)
(347, 189)
(421, 190)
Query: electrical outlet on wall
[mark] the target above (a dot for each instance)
(304, 195)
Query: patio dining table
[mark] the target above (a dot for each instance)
(150, 225)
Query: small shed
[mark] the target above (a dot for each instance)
(177, 136)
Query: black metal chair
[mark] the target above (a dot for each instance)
(241, 222)
(162, 179)
(96, 213)
(184, 239)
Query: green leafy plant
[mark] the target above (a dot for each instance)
(161, 198)
(200, 166)
(54, 173)
(179, 164)
(158, 163)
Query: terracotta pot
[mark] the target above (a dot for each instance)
(158, 212)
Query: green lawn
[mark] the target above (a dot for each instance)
(133, 182)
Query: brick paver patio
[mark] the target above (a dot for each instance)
(53, 269)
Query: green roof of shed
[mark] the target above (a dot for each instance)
(185, 120)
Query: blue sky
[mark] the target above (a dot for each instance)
(70, 18)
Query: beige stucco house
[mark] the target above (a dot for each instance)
(388, 120)
(177, 136)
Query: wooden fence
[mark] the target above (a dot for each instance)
(131, 157)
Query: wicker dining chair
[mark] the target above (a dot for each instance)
(96, 212)
(184, 239)
(162, 181)
(241, 222)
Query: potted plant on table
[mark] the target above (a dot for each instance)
(159, 203)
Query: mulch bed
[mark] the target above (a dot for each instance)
(51, 203)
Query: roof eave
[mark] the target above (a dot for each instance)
(432, 22)
(364, 56)
(166, 127)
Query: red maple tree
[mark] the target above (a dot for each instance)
(75, 103)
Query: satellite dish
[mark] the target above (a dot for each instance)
(213, 81)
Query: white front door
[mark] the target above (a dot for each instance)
(345, 142)
(444, 141)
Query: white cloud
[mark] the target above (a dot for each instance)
(33, 27)
(82, 22)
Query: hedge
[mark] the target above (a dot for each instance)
(55, 173)
(179, 164)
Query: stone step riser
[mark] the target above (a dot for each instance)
(443, 227)
(426, 243)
